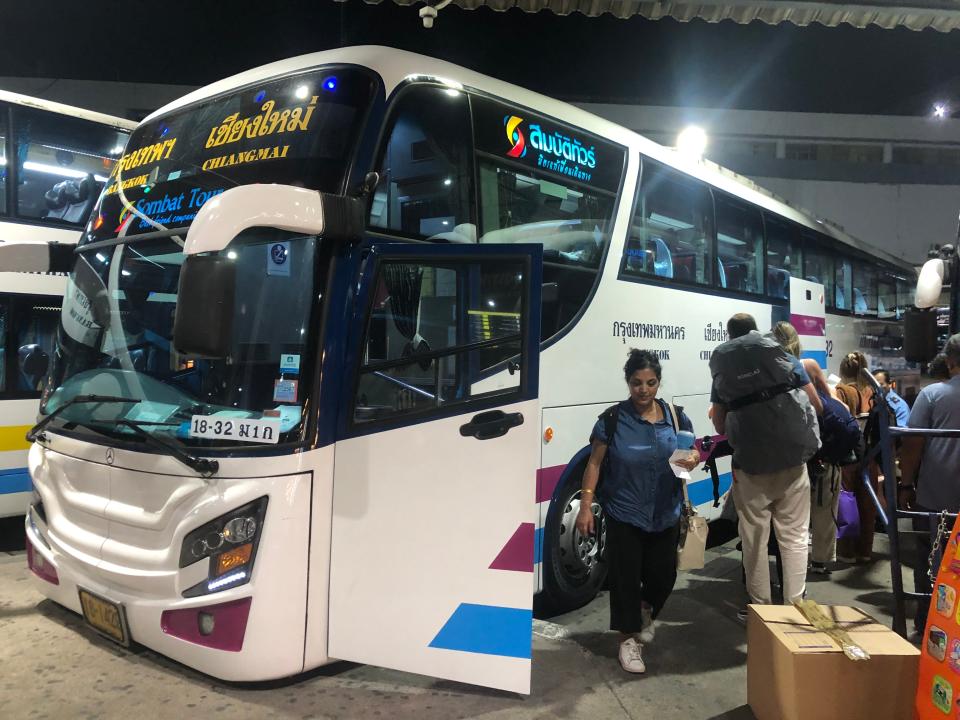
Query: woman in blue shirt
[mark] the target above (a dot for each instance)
(642, 500)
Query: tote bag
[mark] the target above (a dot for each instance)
(848, 516)
(693, 527)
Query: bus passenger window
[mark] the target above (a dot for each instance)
(783, 256)
(419, 350)
(425, 188)
(844, 280)
(887, 296)
(905, 292)
(62, 164)
(818, 265)
(570, 221)
(740, 247)
(669, 235)
(4, 323)
(3, 165)
(864, 288)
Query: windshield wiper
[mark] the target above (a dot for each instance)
(205, 467)
(37, 430)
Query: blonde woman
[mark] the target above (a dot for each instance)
(856, 392)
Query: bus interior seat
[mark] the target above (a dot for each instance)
(71, 200)
(663, 259)
(683, 267)
(859, 302)
(462, 233)
(778, 282)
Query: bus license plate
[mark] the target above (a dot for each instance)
(105, 617)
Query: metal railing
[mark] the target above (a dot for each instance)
(884, 449)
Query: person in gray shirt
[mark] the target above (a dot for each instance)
(931, 466)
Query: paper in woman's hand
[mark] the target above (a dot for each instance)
(679, 471)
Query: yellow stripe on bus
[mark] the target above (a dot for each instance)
(493, 314)
(12, 437)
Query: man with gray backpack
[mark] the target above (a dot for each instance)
(764, 402)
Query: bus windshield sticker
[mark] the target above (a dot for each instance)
(237, 429)
(289, 364)
(278, 259)
(285, 391)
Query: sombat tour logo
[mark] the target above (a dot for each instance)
(556, 152)
(515, 137)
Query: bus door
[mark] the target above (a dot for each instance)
(808, 316)
(431, 567)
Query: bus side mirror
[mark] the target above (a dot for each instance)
(203, 324)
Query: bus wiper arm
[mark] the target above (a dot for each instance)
(205, 467)
(37, 430)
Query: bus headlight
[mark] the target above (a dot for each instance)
(230, 542)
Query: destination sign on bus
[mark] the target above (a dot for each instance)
(295, 130)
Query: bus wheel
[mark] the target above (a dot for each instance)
(573, 566)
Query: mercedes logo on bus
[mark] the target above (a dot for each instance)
(109, 456)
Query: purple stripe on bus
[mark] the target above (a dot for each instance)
(228, 626)
(547, 479)
(517, 554)
(809, 325)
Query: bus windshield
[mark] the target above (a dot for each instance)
(117, 321)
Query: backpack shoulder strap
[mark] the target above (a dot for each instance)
(610, 416)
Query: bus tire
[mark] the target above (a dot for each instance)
(573, 566)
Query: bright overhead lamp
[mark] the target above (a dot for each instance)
(692, 141)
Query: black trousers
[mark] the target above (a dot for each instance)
(643, 569)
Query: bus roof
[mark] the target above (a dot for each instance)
(396, 66)
(50, 106)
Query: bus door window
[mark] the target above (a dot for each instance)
(62, 164)
(783, 255)
(36, 329)
(864, 288)
(426, 188)
(420, 347)
(670, 233)
(739, 247)
(818, 266)
(844, 283)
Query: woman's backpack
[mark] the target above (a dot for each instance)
(840, 435)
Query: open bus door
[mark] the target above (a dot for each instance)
(431, 567)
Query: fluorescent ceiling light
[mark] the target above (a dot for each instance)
(56, 170)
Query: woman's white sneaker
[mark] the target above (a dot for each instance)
(631, 659)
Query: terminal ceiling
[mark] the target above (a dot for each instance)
(943, 15)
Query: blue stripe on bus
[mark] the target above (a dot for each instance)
(819, 355)
(701, 491)
(15, 480)
(538, 545)
(488, 630)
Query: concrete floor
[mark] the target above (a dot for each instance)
(52, 666)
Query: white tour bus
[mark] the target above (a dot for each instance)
(334, 343)
(54, 161)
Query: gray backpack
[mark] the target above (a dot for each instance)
(770, 423)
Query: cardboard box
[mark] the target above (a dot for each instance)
(795, 672)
